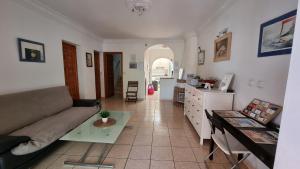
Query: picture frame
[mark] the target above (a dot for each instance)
(222, 47)
(226, 81)
(201, 56)
(89, 60)
(133, 65)
(276, 36)
(31, 51)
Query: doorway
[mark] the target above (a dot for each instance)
(97, 74)
(113, 74)
(70, 68)
(159, 64)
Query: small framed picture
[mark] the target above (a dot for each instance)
(277, 35)
(223, 47)
(89, 60)
(201, 56)
(30, 51)
(133, 65)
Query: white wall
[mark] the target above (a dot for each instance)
(243, 18)
(137, 47)
(190, 54)
(288, 149)
(28, 21)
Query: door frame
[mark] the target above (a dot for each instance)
(105, 55)
(95, 69)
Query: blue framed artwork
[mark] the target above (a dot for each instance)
(277, 35)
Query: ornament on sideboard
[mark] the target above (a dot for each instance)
(222, 32)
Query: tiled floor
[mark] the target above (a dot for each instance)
(160, 137)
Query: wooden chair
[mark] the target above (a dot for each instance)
(132, 91)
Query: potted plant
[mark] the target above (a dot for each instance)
(104, 114)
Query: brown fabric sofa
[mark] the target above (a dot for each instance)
(31, 123)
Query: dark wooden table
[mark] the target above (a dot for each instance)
(265, 152)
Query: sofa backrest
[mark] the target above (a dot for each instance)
(21, 109)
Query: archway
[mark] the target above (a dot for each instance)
(161, 68)
(158, 53)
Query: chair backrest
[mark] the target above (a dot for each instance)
(132, 85)
(214, 123)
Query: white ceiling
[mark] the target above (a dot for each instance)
(112, 18)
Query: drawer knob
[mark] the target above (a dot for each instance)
(197, 123)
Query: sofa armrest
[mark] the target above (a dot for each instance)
(9, 142)
(86, 103)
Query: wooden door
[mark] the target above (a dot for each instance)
(108, 74)
(70, 67)
(97, 74)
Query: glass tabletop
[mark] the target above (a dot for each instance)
(87, 132)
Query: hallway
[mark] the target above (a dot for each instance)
(160, 137)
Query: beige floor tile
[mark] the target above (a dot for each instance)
(119, 151)
(162, 165)
(161, 132)
(46, 162)
(202, 152)
(140, 153)
(78, 148)
(59, 163)
(118, 163)
(143, 140)
(137, 164)
(161, 141)
(177, 133)
(183, 154)
(62, 149)
(194, 142)
(147, 122)
(145, 131)
(161, 153)
(96, 150)
(187, 165)
(179, 142)
(126, 139)
(211, 166)
(130, 130)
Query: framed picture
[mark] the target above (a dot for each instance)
(30, 51)
(89, 60)
(133, 65)
(277, 35)
(226, 81)
(223, 47)
(201, 56)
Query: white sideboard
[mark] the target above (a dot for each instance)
(197, 100)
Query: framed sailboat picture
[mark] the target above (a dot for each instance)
(277, 35)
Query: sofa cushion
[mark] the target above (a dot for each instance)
(21, 109)
(48, 130)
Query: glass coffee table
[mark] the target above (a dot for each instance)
(87, 132)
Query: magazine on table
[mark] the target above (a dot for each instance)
(244, 123)
(229, 113)
(262, 137)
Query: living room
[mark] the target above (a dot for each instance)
(189, 28)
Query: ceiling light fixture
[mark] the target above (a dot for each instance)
(139, 6)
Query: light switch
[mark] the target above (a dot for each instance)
(251, 82)
(260, 84)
